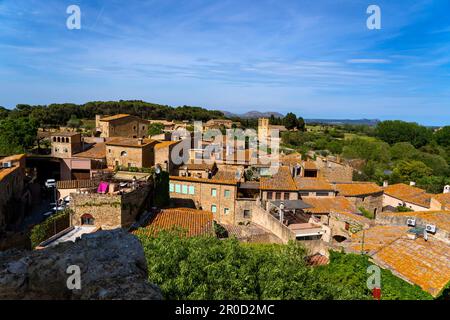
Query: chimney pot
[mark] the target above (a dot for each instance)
(385, 183)
(412, 183)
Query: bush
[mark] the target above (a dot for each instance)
(50, 227)
(209, 268)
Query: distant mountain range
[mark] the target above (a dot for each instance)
(258, 114)
(253, 114)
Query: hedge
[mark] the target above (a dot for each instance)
(46, 229)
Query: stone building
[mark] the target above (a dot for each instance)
(367, 195)
(334, 170)
(65, 144)
(281, 186)
(114, 209)
(121, 125)
(266, 130)
(408, 196)
(13, 197)
(314, 187)
(163, 155)
(128, 152)
(215, 195)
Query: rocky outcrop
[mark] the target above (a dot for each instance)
(112, 265)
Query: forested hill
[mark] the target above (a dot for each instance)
(59, 114)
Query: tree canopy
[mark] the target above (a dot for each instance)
(400, 131)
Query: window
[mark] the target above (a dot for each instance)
(278, 196)
(123, 154)
(65, 150)
(321, 194)
(286, 196)
(54, 139)
(213, 208)
(134, 128)
(247, 214)
(227, 193)
(171, 187)
(87, 219)
(56, 149)
(191, 190)
(178, 188)
(184, 189)
(304, 193)
(226, 211)
(109, 150)
(213, 192)
(269, 195)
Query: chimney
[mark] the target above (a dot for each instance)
(412, 183)
(385, 183)
(446, 189)
(140, 141)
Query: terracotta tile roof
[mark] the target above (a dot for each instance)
(443, 198)
(195, 222)
(408, 193)
(425, 263)
(282, 180)
(358, 189)
(76, 184)
(96, 151)
(376, 238)
(65, 134)
(115, 117)
(203, 180)
(313, 184)
(439, 218)
(291, 159)
(165, 144)
(309, 165)
(326, 205)
(129, 142)
(6, 171)
(225, 175)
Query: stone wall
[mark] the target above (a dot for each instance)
(241, 206)
(112, 266)
(111, 211)
(268, 222)
(13, 201)
(139, 157)
(333, 171)
(372, 203)
(127, 127)
(394, 202)
(106, 209)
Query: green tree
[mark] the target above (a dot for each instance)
(155, 129)
(301, 125)
(412, 170)
(290, 121)
(17, 135)
(442, 136)
(403, 150)
(74, 122)
(400, 131)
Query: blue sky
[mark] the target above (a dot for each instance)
(314, 58)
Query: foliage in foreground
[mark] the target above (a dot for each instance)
(209, 268)
(49, 227)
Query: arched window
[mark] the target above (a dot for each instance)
(54, 139)
(87, 219)
(59, 139)
(123, 154)
(67, 140)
